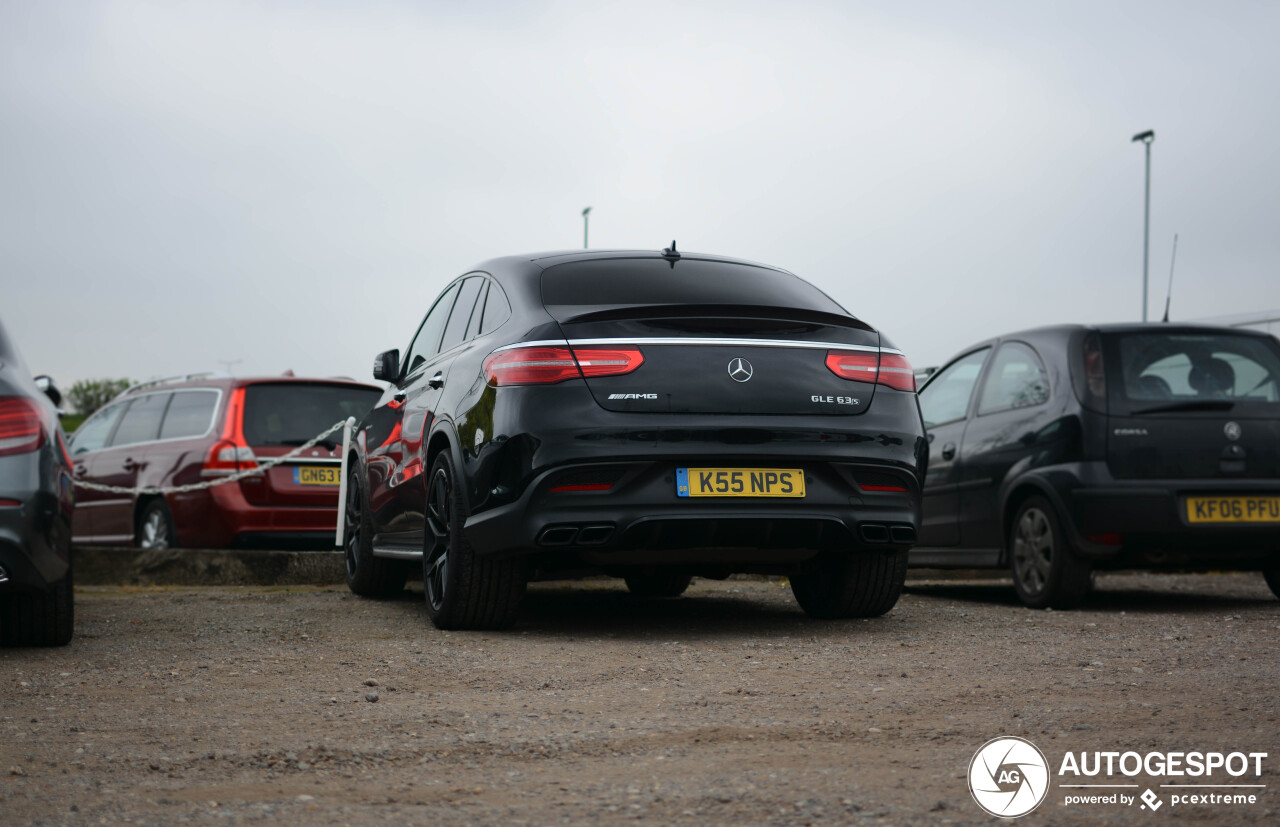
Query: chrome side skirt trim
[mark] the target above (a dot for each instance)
(397, 553)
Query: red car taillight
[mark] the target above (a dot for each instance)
(230, 454)
(888, 369)
(549, 365)
(20, 429)
(225, 457)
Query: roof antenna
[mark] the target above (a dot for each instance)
(671, 252)
(1173, 260)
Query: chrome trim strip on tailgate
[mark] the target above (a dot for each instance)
(721, 342)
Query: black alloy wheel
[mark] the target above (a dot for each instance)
(366, 575)
(435, 558)
(463, 590)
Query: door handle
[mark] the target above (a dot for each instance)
(130, 465)
(80, 471)
(949, 451)
(930, 439)
(437, 381)
(399, 396)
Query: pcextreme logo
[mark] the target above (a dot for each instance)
(1009, 777)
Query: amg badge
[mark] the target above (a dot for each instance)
(633, 396)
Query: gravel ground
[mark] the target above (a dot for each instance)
(309, 705)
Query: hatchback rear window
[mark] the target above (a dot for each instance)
(293, 413)
(584, 286)
(1172, 368)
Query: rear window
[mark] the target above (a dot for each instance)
(1171, 368)
(291, 414)
(581, 287)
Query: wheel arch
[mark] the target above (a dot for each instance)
(1017, 493)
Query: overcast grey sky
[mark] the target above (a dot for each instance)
(290, 184)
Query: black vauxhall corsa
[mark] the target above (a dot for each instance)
(36, 505)
(1063, 450)
(652, 416)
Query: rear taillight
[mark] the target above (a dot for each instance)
(549, 365)
(888, 369)
(1095, 375)
(20, 429)
(225, 457)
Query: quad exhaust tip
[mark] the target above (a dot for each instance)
(4, 575)
(585, 535)
(877, 533)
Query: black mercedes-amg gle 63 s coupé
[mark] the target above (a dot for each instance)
(652, 416)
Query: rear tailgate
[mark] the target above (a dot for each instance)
(763, 366)
(1193, 404)
(715, 337)
(280, 416)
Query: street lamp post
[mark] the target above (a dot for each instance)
(585, 212)
(1147, 138)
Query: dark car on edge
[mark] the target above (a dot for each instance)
(36, 504)
(1062, 450)
(193, 429)
(653, 416)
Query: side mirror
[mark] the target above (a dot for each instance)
(386, 366)
(49, 389)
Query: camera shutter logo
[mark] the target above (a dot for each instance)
(1008, 777)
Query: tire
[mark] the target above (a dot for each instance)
(1047, 573)
(46, 619)
(1273, 580)
(656, 582)
(367, 576)
(855, 584)
(462, 589)
(155, 527)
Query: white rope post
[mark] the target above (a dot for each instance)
(342, 483)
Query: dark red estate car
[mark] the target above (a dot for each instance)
(199, 428)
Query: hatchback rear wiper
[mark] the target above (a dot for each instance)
(1189, 405)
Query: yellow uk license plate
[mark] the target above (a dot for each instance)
(739, 482)
(316, 474)
(1233, 509)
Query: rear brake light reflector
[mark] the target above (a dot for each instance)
(896, 372)
(608, 362)
(896, 488)
(225, 457)
(549, 365)
(889, 369)
(20, 428)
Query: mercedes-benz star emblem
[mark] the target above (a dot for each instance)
(1232, 430)
(739, 369)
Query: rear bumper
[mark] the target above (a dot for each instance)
(1144, 523)
(221, 517)
(35, 543)
(640, 519)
